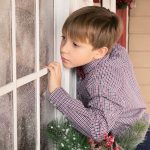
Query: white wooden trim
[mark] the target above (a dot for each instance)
(113, 5)
(22, 81)
(14, 73)
(106, 4)
(37, 84)
(6, 89)
(26, 79)
(127, 29)
(61, 12)
(109, 4)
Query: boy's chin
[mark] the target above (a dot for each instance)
(67, 67)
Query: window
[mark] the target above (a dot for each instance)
(26, 46)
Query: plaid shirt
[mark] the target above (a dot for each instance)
(108, 99)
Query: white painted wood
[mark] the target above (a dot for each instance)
(113, 5)
(127, 29)
(37, 84)
(6, 89)
(31, 77)
(14, 74)
(106, 3)
(109, 4)
(74, 5)
(61, 12)
(21, 81)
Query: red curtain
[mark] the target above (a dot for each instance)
(123, 14)
(96, 1)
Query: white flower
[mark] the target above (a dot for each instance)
(67, 130)
(74, 138)
(62, 145)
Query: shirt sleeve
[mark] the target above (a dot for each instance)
(94, 121)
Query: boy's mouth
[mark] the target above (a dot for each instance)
(64, 59)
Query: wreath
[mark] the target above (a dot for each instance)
(123, 3)
(68, 138)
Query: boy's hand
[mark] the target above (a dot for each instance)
(54, 80)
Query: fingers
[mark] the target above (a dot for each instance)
(54, 66)
(54, 80)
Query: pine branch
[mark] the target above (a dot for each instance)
(132, 137)
(66, 137)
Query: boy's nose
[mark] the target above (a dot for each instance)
(65, 48)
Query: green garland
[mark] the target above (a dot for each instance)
(135, 135)
(67, 138)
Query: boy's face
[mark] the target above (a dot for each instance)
(75, 54)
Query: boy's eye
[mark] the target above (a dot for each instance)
(63, 37)
(75, 44)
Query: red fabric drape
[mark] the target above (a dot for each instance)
(123, 14)
(96, 1)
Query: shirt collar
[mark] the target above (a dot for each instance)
(83, 70)
(90, 66)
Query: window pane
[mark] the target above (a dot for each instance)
(46, 32)
(47, 114)
(5, 42)
(26, 117)
(6, 122)
(25, 32)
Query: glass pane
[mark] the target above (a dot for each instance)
(46, 32)
(6, 122)
(26, 117)
(47, 114)
(25, 32)
(5, 42)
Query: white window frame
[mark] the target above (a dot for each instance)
(16, 83)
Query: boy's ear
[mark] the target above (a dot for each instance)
(101, 52)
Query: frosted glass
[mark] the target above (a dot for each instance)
(47, 114)
(46, 32)
(26, 117)
(5, 43)
(25, 36)
(6, 122)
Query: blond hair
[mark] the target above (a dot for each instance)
(97, 25)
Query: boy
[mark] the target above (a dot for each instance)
(108, 93)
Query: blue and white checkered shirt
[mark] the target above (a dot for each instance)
(108, 99)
